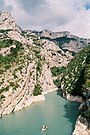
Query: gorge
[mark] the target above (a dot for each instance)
(33, 63)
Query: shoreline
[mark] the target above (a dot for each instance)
(81, 127)
(49, 91)
(78, 125)
(27, 103)
(73, 98)
(39, 97)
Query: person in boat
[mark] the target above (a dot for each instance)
(44, 128)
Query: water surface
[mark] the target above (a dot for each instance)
(55, 112)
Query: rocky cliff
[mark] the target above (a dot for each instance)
(7, 22)
(25, 65)
(64, 40)
(81, 127)
(76, 82)
(33, 63)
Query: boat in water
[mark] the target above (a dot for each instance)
(44, 128)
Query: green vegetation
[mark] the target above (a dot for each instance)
(57, 70)
(87, 73)
(19, 47)
(76, 79)
(2, 97)
(39, 66)
(86, 114)
(85, 110)
(11, 84)
(37, 90)
(6, 43)
(38, 69)
(62, 40)
(24, 33)
(7, 66)
(15, 86)
(37, 53)
(36, 42)
(74, 75)
(5, 61)
(38, 63)
(57, 82)
(14, 74)
(4, 89)
(7, 30)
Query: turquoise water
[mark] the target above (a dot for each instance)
(59, 114)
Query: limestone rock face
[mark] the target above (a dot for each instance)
(54, 55)
(11, 29)
(65, 40)
(46, 79)
(81, 128)
(73, 98)
(25, 61)
(52, 35)
(16, 35)
(7, 22)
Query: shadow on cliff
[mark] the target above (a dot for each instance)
(71, 110)
(59, 92)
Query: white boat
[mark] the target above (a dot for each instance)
(44, 128)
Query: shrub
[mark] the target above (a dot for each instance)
(4, 89)
(37, 90)
(6, 43)
(15, 86)
(57, 82)
(86, 114)
(11, 83)
(74, 75)
(5, 61)
(2, 97)
(57, 70)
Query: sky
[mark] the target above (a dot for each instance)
(53, 15)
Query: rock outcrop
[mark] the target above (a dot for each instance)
(54, 55)
(73, 98)
(9, 28)
(7, 22)
(25, 62)
(26, 59)
(81, 127)
(64, 40)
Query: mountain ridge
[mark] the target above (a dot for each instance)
(25, 66)
(32, 63)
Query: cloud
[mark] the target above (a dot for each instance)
(58, 15)
(17, 12)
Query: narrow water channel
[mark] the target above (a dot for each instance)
(55, 112)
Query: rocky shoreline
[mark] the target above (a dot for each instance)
(73, 98)
(18, 107)
(35, 57)
(81, 127)
(81, 123)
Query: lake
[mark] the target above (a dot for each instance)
(56, 112)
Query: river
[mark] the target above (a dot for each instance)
(55, 112)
